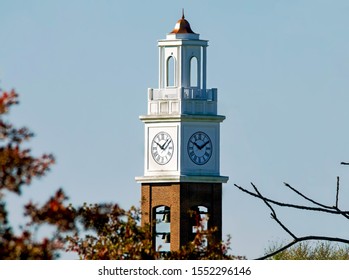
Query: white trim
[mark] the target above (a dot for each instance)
(179, 118)
(180, 42)
(182, 178)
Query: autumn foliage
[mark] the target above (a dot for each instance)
(99, 231)
(17, 169)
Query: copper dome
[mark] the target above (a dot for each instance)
(182, 26)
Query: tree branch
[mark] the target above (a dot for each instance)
(341, 213)
(337, 192)
(321, 208)
(273, 214)
(330, 211)
(307, 198)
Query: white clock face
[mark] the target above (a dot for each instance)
(162, 148)
(199, 148)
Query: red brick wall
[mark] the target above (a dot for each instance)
(180, 197)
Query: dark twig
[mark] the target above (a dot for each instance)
(337, 192)
(292, 205)
(278, 251)
(307, 198)
(273, 214)
(341, 213)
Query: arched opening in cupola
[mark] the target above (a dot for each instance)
(170, 70)
(193, 72)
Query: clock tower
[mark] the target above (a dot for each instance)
(182, 145)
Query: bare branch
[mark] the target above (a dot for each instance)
(278, 251)
(337, 192)
(264, 199)
(330, 211)
(307, 198)
(322, 208)
(341, 212)
(273, 215)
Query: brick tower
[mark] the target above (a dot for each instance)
(182, 150)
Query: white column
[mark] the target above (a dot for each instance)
(198, 71)
(180, 66)
(204, 57)
(161, 70)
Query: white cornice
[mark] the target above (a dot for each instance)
(181, 118)
(182, 178)
(182, 42)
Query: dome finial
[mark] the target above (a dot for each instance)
(182, 26)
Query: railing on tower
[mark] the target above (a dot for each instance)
(182, 93)
(182, 101)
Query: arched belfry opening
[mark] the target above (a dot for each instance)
(194, 72)
(182, 57)
(199, 221)
(162, 228)
(199, 216)
(170, 72)
(182, 152)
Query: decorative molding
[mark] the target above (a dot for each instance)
(181, 118)
(182, 178)
(181, 42)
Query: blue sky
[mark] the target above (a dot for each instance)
(82, 69)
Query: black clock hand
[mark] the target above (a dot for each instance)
(163, 146)
(158, 145)
(202, 146)
(168, 143)
(197, 146)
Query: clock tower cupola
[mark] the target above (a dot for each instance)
(182, 143)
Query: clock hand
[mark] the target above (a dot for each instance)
(168, 143)
(163, 146)
(158, 145)
(204, 145)
(197, 146)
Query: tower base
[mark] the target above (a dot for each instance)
(181, 198)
